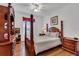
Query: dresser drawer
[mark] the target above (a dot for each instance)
(69, 46)
(69, 41)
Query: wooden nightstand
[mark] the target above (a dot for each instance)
(70, 44)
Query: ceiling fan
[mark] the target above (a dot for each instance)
(36, 7)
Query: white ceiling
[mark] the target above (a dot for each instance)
(47, 8)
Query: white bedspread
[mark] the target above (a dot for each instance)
(42, 43)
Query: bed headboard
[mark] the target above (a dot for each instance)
(54, 29)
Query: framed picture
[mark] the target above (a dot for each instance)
(17, 30)
(54, 20)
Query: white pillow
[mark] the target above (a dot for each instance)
(54, 34)
(47, 33)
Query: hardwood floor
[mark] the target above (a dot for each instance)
(20, 51)
(56, 52)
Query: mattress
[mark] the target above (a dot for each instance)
(42, 43)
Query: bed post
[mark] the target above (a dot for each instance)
(32, 36)
(47, 27)
(62, 36)
(31, 29)
(29, 42)
(25, 32)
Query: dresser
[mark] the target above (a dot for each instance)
(70, 44)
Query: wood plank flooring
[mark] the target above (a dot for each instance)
(20, 51)
(57, 52)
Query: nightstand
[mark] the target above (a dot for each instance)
(70, 44)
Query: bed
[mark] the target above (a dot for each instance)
(37, 44)
(49, 40)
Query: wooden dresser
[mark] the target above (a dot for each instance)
(70, 44)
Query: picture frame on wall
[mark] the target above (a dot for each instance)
(54, 20)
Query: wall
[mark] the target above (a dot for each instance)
(20, 24)
(70, 15)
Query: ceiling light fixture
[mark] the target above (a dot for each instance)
(36, 7)
(35, 10)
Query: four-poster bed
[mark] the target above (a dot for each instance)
(40, 43)
(37, 44)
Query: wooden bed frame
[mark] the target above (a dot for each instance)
(29, 44)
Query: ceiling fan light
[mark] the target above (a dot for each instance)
(36, 10)
(36, 7)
